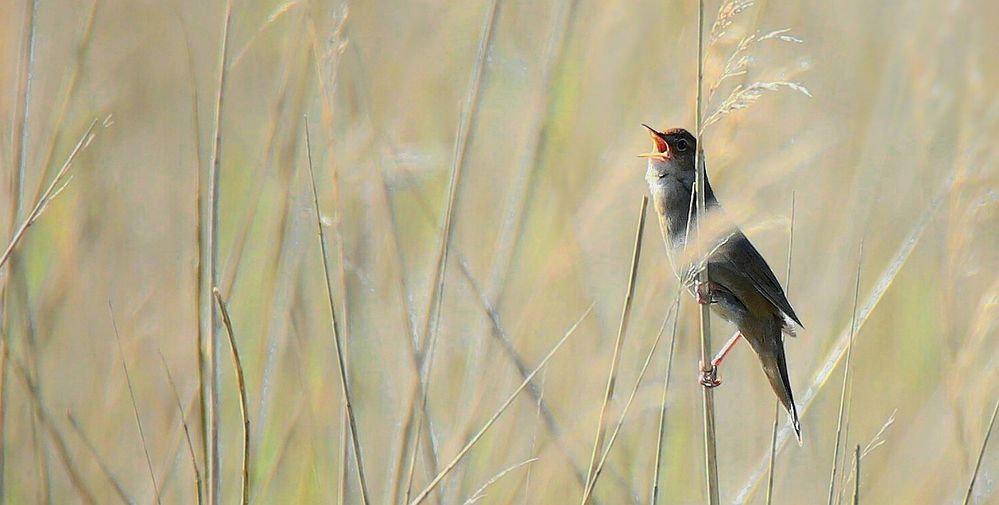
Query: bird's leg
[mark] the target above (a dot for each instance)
(709, 374)
(727, 348)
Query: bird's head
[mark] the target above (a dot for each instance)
(673, 153)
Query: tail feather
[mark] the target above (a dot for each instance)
(775, 367)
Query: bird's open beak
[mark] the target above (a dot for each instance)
(661, 152)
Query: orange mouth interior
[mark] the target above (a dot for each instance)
(661, 151)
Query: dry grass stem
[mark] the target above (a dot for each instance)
(624, 412)
(856, 470)
(187, 431)
(622, 329)
(275, 16)
(846, 377)
(838, 351)
(135, 407)
(335, 326)
(241, 386)
(661, 432)
(72, 84)
(466, 126)
(535, 390)
(482, 431)
(481, 492)
(981, 455)
(471, 184)
(209, 317)
(877, 441)
(47, 423)
(539, 128)
(55, 187)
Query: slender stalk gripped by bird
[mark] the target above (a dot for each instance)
(710, 448)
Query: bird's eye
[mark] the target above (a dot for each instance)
(681, 145)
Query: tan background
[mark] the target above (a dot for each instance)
(896, 141)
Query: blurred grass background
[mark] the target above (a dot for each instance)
(895, 147)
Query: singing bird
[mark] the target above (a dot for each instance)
(741, 287)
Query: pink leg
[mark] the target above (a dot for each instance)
(709, 375)
(727, 348)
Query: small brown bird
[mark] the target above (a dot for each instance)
(741, 287)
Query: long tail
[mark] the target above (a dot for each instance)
(775, 366)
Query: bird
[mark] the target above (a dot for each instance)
(741, 287)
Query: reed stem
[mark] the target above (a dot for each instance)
(710, 443)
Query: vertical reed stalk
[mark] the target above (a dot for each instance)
(211, 274)
(710, 443)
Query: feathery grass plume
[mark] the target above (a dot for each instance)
(737, 64)
(727, 13)
(742, 97)
(422, 495)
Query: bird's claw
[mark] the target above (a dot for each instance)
(709, 376)
(703, 293)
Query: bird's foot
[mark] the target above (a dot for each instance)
(709, 375)
(702, 290)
